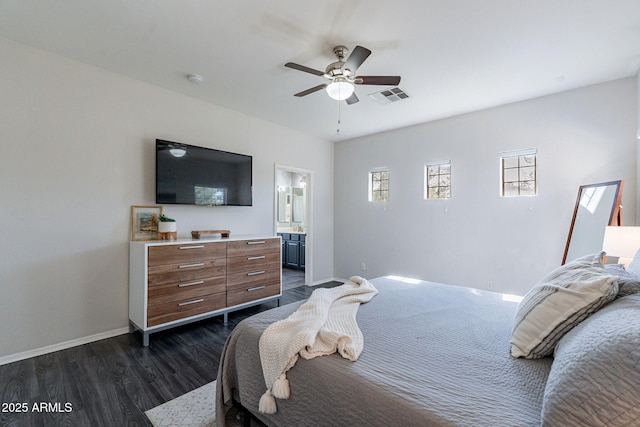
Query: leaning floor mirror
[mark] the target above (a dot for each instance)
(597, 206)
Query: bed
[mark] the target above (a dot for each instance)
(437, 354)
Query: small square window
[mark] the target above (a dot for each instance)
(437, 180)
(519, 173)
(379, 185)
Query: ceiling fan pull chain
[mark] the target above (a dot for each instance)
(338, 130)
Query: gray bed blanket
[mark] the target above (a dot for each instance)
(434, 355)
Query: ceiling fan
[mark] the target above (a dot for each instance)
(343, 75)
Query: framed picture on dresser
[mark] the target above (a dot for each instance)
(144, 222)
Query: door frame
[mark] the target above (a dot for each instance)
(308, 254)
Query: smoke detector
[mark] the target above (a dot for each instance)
(196, 79)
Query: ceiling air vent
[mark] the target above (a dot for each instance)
(389, 95)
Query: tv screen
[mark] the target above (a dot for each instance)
(190, 175)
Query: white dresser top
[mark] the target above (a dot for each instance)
(207, 239)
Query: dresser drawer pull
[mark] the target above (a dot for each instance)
(195, 301)
(260, 242)
(184, 285)
(200, 264)
(255, 273)
(256, 288)
(252, 258)
(192, 247)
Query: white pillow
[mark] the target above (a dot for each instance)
(561, 300)
(634, 265)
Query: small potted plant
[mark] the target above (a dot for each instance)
(166, 224)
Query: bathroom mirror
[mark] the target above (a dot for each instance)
(597, 206)
(284, 204)
(298, 205)
(291, 206)
(291, 201)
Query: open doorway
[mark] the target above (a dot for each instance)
(293, 196)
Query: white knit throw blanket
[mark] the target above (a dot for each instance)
(326, 323)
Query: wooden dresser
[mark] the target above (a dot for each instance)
(176, 282)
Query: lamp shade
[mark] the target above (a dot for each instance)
(622, 242)
(340, 90)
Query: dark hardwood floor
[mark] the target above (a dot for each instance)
(112, 382)
(292, 278)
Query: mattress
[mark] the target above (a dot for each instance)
(434, 354)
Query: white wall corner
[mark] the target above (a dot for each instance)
(638, 105)
(638, 145)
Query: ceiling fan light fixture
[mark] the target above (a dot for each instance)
(340, 90)
(177, 152)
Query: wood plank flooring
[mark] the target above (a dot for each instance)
(112, 382)
(292, 278)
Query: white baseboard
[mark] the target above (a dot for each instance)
(61, 346)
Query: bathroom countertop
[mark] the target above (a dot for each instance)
(292, 232)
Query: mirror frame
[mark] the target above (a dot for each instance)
(616, 210)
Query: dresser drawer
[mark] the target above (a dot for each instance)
(187, 272)
(246, 263)
(167, 312)
(243, 294)
(161, 294)
(176, 254)
(253, 278)
(252, 247)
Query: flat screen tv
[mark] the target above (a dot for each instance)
(190, 175)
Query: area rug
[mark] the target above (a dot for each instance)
(194, 409)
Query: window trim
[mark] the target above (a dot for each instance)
(425, 188)
(519, 153)
(370, 185)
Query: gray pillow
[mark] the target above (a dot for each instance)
(561, 300)
(595, 375)
(628, 283)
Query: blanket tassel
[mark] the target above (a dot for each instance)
(281, 388)
(267, 404)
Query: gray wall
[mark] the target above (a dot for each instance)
(476, 237)
(77, 152)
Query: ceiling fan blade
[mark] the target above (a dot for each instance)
(352, 99)
(313, 89)
(356, 58)
(377, 80)
(303, 68)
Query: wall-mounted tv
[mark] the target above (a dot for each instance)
(190, 175)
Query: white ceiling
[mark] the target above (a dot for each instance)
(454, 56)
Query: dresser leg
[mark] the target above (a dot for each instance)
(226, 317)
(145, 339)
